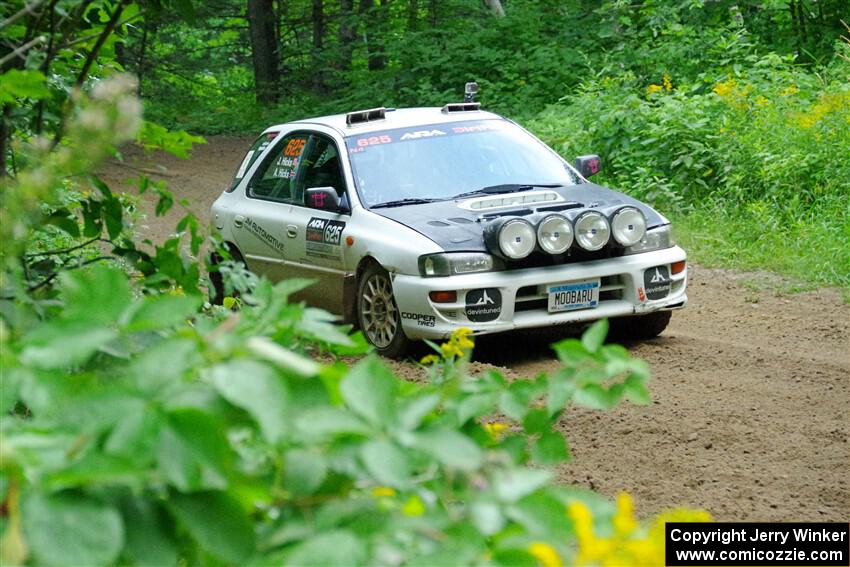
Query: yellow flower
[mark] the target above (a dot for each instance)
(462, 336)
(624, 521)
(668, 84)
(457, 344)
(495, 429)
(724, 88)
(545, 554)
(430, 359)
(827, 104)
(383, 492)
(629, 544)
(761, 101)
(789, 90)
(449, 350)
(413, 507)
(652, 89)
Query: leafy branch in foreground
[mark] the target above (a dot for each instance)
(158, 433)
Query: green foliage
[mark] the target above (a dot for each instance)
(17, 84)
(413, 54)
(752, 161)
(257, 460)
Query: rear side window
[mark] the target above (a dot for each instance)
(257, 148)
(275, 178)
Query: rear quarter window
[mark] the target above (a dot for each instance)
(257, 148)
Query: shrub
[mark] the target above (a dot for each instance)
(755, 160)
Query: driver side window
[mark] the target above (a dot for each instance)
(321, 167)
(275, 180)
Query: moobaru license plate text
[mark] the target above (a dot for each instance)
(574, 295)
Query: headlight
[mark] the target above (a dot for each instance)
(555, 234)
(443, 264)
(628, 226)
(516, 238)
(592, 231)
(655, 239)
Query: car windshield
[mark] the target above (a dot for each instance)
(443, 161)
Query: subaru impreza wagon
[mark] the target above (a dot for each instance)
(414, 222)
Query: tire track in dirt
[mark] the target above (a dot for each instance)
(751, 389)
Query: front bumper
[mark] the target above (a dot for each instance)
(524, 300)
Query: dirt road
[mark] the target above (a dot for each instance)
(751, 411)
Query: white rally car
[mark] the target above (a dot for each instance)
(414, 222)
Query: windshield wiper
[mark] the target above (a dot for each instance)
(402, 202)
(506, 188)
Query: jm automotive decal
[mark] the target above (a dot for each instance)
(263, 235)
(483, 304)
(324, 237)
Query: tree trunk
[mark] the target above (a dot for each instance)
(432, 13)
(318, 40)
(141, 62)
(264, 49)
(413, 15)
(374, 32)
(5, 134)
(347, 34)
(496, 7)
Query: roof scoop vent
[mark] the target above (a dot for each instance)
(461, 107)
(362, 116)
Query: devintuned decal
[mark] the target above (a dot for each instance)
(324, 237)
(421, 319)
(263, 235)
(483, 304)
(657, 282)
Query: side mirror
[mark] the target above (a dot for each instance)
(588, 165)
(323, 198)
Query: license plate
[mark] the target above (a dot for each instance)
(573, 295)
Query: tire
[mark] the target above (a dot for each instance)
(378, 315)
(641, 327)
(216, 290)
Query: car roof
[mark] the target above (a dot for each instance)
(395, 118)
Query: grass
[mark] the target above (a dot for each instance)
(812, 251)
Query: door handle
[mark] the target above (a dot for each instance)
(237, 221)
(291, 230)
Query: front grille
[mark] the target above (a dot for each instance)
(539, 259)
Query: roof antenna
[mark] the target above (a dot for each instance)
(470, 91)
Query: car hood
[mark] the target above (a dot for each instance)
(457, 227)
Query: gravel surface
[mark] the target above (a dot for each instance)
(751, 389)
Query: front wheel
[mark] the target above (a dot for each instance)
(641, 327)
(378, 315)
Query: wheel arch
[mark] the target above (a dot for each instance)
(352, 284)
